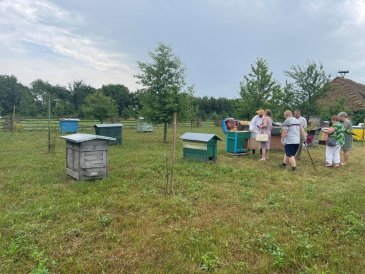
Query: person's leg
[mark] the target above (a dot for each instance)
(253, 144)
(292, 162)
(329, 156)
(286, 157)
(268, 148)
(285, 160)
(336, 155)
(263, 151)
(299, 151)
(346, 154)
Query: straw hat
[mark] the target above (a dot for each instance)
(260, 112)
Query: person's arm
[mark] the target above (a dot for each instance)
(251, 124)
(264, 123)
(284, 133)
(347, 128)
(303, 134)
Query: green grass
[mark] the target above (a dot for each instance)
(238, 215)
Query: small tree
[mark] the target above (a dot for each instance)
(310, 83)
(281, 100)
(163, 79)
(99, 106)
(256, 89)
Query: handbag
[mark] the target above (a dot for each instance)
(262, 137)
(331, 142)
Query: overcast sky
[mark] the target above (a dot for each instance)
(99, 41)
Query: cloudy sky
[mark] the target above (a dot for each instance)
(99, 41)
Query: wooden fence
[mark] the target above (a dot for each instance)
(36, 124)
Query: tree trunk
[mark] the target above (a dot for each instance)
(165, 132)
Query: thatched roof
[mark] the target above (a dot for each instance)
(342, 87)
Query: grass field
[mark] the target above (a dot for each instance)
(238, 215)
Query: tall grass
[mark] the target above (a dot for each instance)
(238, 215)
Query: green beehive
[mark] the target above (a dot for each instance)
(200, 146)
(110, 130)
(237, 141)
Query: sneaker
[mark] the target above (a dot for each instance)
(282, 165)
(328, 165)
(262, 159)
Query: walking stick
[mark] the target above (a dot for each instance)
(310, 157)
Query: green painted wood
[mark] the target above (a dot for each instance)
(111, 131)
(200, 151)
(237, 141)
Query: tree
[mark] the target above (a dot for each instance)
(281, 100)
(41, 90)
(10, 93)
(79, 91)
(310, 83)
(190, 106)
(163, 79)
(99, 106)
(121, 96)
(256, 88)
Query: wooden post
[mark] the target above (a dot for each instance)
(49, 122)
(170, 188)
(13, 121)
(363, 133)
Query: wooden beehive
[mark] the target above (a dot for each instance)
(110, 130)
(69, 125)
(200, 146)
(86, 156)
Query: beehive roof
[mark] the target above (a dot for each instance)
(69, 119)
(109, 125)
(83, 137)
(202, 137)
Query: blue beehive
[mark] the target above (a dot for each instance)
(69, 125)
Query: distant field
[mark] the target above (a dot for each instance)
(238, 215)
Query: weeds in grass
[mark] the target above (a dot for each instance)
(268, 244)
(21, 248)
(210, 262)
(105, 220)
(355, 227)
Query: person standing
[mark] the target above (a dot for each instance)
(303, 122)
(337, 132)
(254, 128)
(290, 137)
(266, 127)
(347, 147)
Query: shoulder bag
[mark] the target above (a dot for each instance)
(331, 142)
(262, 137)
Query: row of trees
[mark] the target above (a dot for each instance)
(32, 101)
(165, 92)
